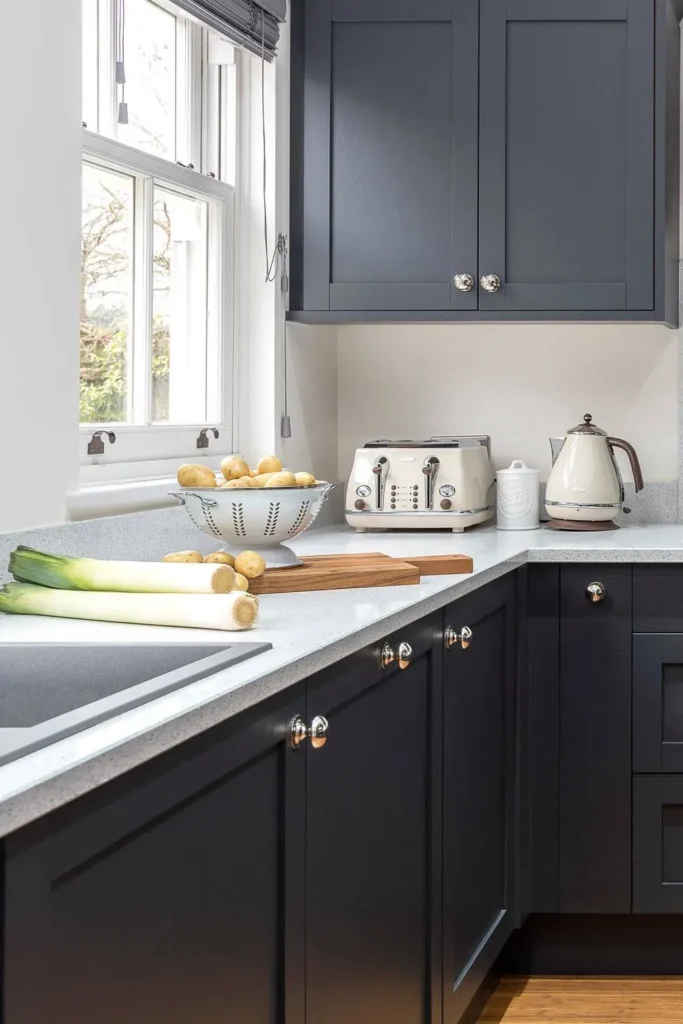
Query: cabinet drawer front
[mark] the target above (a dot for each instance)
(658, 598)
(658, 702)
(658, 844)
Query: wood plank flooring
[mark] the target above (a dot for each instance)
(587, 1000)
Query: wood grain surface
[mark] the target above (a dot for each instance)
(586, 1000)
(363, 569)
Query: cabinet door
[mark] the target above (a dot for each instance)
(478, 792)
(658, 844)
(567, 154)
(595, 741)
(390, 154)
(372, 869)
(658, 702)
(169, 898)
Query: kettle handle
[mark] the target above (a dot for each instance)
(616, 442)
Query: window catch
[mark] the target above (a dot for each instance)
(96, 443)
(203, 440)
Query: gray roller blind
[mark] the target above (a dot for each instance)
(246, 22)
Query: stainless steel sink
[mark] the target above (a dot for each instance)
(48, 691)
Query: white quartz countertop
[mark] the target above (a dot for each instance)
(308, 632)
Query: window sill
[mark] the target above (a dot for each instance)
(119, 497)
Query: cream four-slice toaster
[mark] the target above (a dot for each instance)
(442, 483)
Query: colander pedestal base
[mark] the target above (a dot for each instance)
(277, 556)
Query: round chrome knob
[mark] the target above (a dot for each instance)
(318, 731)
(402, 655)
(464, 637)
(596, 592)
(297, 732)
(490, 283)
(463, 282)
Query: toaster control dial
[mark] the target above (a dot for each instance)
(447, 491)
(360, 504)
(364, 491)
(446, 504)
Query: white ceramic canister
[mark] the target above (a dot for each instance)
(518, 498)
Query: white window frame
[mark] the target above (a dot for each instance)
(206, 92)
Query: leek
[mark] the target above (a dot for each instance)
(63, 573)
(201, 611)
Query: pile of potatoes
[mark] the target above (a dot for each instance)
(237, 474)
(248, 565)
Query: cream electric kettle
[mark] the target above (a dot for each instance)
(585, 490)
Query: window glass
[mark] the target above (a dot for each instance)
(106, 295)
(179, 336)
(150, 91)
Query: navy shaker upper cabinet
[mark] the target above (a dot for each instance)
(390, 157)
(567, 158)
(485, 160)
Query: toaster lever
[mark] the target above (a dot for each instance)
(381, 470)
(430, 469)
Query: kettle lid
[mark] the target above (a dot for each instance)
(588, 427)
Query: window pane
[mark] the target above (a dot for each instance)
(90, 44)
(179, 347)
(150, 37)
(106, 295)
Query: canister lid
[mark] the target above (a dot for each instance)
(588, 427)
(518, 466)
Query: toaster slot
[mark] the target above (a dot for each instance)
(381, 471)
(430, 468)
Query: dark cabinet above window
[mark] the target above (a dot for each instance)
(485, 160)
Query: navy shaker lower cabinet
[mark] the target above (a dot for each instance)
(171, 896)
(373, 858)
(478, 790)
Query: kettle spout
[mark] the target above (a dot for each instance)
(556, 444)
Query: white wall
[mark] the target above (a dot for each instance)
(519, 383)
(40, 81)
(312, 378)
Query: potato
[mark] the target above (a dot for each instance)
(192, 475)
(234, 467)
(220, 558)
(183, 556)
(238, 484)
(253, 472)
(261, 480)
(281, 480)
(304, 479)
(270, 464)
(250, 564)
(245, 481)
(241, 582)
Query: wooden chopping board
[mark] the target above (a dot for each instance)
(349, 572)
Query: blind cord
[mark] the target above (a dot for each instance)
(277, 263)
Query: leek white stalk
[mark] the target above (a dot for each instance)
(200, 611)
(30, 566)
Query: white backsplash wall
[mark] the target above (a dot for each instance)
(312, 386)
(519, 383)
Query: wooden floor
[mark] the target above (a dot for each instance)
(619, 1000)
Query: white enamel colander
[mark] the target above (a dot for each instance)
(255, 519)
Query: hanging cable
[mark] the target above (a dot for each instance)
(120, 60)
(272, 265)
(277, 263)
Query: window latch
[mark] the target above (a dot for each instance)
(203, 439)
(96, 442)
